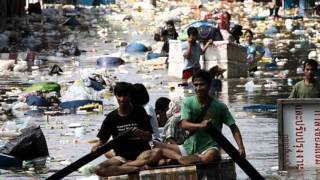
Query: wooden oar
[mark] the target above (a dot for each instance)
(89, 157)
(243, 163)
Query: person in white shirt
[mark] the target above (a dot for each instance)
(141, 98)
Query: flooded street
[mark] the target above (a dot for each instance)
(259, 127)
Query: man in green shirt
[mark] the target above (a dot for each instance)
(309, 87)
(196, 112)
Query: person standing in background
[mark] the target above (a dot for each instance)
(254, 52)
(274, 7)
(169, 33)
(309, 87)
(192, 51)
(141, 98)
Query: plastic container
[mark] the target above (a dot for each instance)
(109, 62)
(136, 48)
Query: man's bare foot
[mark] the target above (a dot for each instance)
(162, 162)
(171, 161)
(145, 167)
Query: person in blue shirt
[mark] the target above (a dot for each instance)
(254, 51)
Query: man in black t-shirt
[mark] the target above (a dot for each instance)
(169, 33)
(125, 117)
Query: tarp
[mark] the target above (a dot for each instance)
(29, 145)
(136, 48)
(37, 101)
(44, 87)
(77, 103)
(96, 2)
(206, 29)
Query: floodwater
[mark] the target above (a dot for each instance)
(259, 129)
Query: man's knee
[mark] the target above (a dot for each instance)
(210, 156)
(102, 167)
(157, 152)
(156, 155)
(100, 170)
(151, 156)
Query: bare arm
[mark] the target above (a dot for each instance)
(185, 124)
(144, 135)
(96, 145)
(171, 141)
(238, 138)
(188, 52)
(206, 46)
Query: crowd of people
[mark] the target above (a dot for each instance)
(199, 39)
(184, 139)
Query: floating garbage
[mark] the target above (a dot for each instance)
(7, 65)
(151, 56)
(299, 70)
(260, 108)
(74, 125)
(271, 66)
(289, 82)
(93, 84)
(79, 132)
(205, 28)
(109, 62)
(34, 100)
(44, 87)
(7, 161)
(136, 48)
(249, 86)
(35, 112)
(77, 103)
(72, 22)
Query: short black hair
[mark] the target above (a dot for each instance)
(228, 15)
(170, 22)
(192, 31)
(140, 97)
(162, 103)
(123, 89)
(204, 75)
(248, 32)
(311, 62)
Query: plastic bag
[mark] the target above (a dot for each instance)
(29, 145)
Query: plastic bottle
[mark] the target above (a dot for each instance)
(289, 81)
(87, 82)
(299, 70)
(249, 86)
